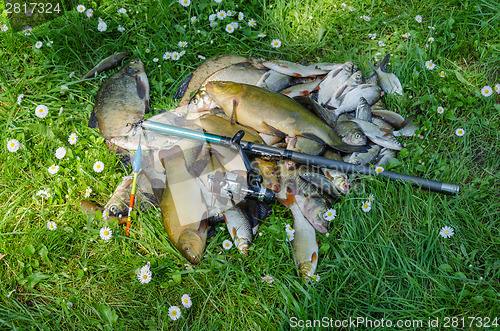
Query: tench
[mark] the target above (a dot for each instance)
(272, 113)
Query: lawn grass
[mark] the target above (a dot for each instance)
(389, 263)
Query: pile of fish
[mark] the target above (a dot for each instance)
(327, 109)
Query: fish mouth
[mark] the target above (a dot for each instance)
(208, 85)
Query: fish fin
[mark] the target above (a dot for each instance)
(290, 198)
(340, 91)
(148, 107)
(152, 199)
(313, 137)
(93, 123)
(387, 132)
(314, 256)
(203, 225)
(183, 87)
(233, 113)
(373, 67)
(383, 64)
(141, 87)
(296, 74)
(274, 131)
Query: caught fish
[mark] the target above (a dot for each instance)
(377, 135)
(409, 129)
(269, 173)
(384, 157)
(293, 69)
(354, 80)
(382, 124)
(338, 178)
(363, 158)
(272, 113)
(350, 132)
(305, 244)
(183, 208)
(388, 81)
(390, 117)
(108, 63)
(255, 211)
(363, 111)
(333, 81)
(323, 183)
(121, 100)
(239, 228)
(325, 66)
(304, 145)
(274, 81)
(301, 89)
(350, 99)
(200, 102)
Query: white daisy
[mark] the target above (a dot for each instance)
(431, 39)
(4, 27)
(251, 22)
(442, 74)
(418, 18)
(366, 18)
(10, 293)
(290, 236)
(38, 44)
(185, 3)
(186, 301)
(88, 191)
(351, 8)
(188, 266)
(497, 88)
(174, 312)
(289, 229)
(51, 225)
(213, 24)
(155, 59)
(268, 279)
(371, 198)
(182, 43)
(120, 28)
(460, 132)
(379, 169)
(13, 145)
(431, 27)
(72, 138)
(144, 276)
(406, 35)
(367, 206)
(122, 11)
(98, 166)
(194, 19)
(275, 43)
(486, 91)
(227, 244)
(235, 25)
(105, 214)
(182, 53)
(89, 13)
(221, 14)
(381, 43)
(201, 57)
(212, 17)
(41, 111)
(372, 36)
(53, 169)
(146, 267)
(175, 56)
(60, 152)
(27, 31)
(440, 110)
(330, 215)
(231, 13)
(167, 55)
(69, 305)
(105, 233)
(80, 8)
(261, 35)
(446, 232)
(316, 278)
(430, 65)
(230, 28)
(241, 16)
(218, 1)
(102, 26)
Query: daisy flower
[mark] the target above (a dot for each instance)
(27, 31)
(98, 166)
(371, 198)
(230, 28)
(38, 44)
(366, 18)
(182, 43)
(351, 8)
(446, 232)
(185, 3)
(105, 214)
(155, 59)
(406, 35)
(80, 8)
(146, 267)
(60, 152)
(88, 191)
(372, 36)
(221, 14)
(41, 111)
(69, 305)
(182, 53)
(497, 88)
(51, 225)
(486, 91)
(186, 301)
(10, 293)
(235, 25)
(316, 277)
(188, 266)
(260, 35)
(251, 22)
(105, 233)
(290, 236)
(442, 74)
(13, 145)
(231, 13)
(194, 19)
(53, 169)
(241, 16)
(89, 13)
(227, 244)
(212, 17)
(430, 65)
(72, 138)
(213, 24)
(144, 276)
(431, 39)
(167, 56)
(381, 43)
(175, 56)
(122, 11)
(102, 26)
(268, 279)
(330, 214)
(275, 43)
(418, 18)
(460, 132)
(120, 28)
(4, 27)
(440, 110)
(379, 169)
(367, 206)
(431, 27)
(289, 229)
(174, 312)
(218, 1)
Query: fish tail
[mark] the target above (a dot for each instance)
(383, 64)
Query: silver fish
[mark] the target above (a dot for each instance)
(382, 124)
(325, 66)
(301, 89)
(350, 100)
(409, 129)
(384, 157)
(388, 81)
(274, 81)
(323, 183)
(239, 228)
(363, 158)
(363, 111)
(377, 135)
(293, 69)
(354, 80)
(333, 81)
(390, 117)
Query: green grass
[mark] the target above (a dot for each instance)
(388, 263)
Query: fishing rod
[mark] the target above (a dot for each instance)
(275, 152)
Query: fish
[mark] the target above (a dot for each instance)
(239, 229)
(274, 81)
(324, 114)
(293, 69)
(323, 183)
(301, 89)
(255, 211)
(183, 208)
(272, 113)
(338, 178)
(388, 81)
(304, 145)
(333, 81)
(384, 156)
(363, 111)
(325, 66)
(390, 117)
(363, 158)
(354, 80)
(304, 243)
(409, 129)
(377, 135)
(108, 63)
(269, 172)
(121, 100)
(382, 124)
(350, 132)
(200, 102)
(350, 99)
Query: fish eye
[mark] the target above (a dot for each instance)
(357, 136)
(194, 101)
(113, 209)
(223, 82)
(187, 249)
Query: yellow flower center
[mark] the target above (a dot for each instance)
(106, 233)
(144, 276)
(174, 313)
(486, 91)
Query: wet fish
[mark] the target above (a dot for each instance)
(385, 156)
(293, 69)
(338, 178)
(239, 228)
(108, 63)
(274, 81)
(354, 80)
(350, 99)
(304, 145)
(200, 102)
(390, 117)
(382, 124)
(301, 89)
(122, 99)
(350, 132)
(269, 172)
(272, 113)
(333, 81)
(409, 129)
(325, 66)
(377, 135)
(388, 81)
(363, 158)
(323, 183)
(363, 111)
